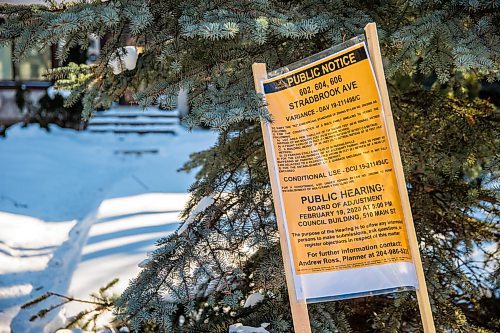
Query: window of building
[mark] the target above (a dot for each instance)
(34, 65)
(31, 68)
(6, 72)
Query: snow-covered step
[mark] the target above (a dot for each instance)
(125, 120)
(136, 112)
(133, 120)
(120, 125)
(138, 127)
(137, 152)
(132, 129)
(135, 115)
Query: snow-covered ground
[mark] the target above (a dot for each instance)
(78, 209)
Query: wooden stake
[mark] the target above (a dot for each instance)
(300, 315)
(376, 59)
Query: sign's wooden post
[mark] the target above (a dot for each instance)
(300, 315)
(376, 59)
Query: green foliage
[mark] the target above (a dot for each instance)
(197, 280)
(450, 152)
(208, 47)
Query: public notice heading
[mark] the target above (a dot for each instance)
(342, 208)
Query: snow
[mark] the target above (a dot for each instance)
(203, 204)
(253, 299)
(124, 58)
(77, 209)
(132, 128)
(137, 119)
(239, 328)
(136, 112)
(52, 92)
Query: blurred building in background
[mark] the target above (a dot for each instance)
(22, 83)
(23, 87)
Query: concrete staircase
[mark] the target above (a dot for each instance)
(131, 119)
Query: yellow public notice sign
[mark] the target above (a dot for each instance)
(339, 193)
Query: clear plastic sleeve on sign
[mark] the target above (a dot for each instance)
(344, 222)
(318, 56)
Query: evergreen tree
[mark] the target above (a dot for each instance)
(437, 52)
